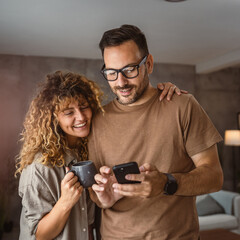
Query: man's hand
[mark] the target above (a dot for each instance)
(152, 183)
(168, 89)
(104, 196)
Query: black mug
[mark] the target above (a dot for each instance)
(85, 171)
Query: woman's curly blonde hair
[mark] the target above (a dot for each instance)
(42, 132)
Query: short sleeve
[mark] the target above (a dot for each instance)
(38, 196)
(199, 131)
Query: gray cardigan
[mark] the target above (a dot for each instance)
(40, 189)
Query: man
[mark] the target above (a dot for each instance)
(174, 144)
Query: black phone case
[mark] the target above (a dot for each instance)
(122, 170)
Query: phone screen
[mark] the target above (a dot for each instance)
(121, 170)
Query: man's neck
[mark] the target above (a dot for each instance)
(148, 93)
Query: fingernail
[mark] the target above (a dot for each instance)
(104, 180)
(160, 99)
(141, 168)
(114, 185)
(128, 177)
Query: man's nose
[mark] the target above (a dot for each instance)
(121, 80)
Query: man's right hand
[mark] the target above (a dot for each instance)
(103, 194)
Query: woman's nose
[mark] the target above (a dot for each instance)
(80, 115)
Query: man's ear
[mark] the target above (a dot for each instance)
(149, 64)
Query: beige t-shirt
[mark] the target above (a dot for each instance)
(165, 134)
(40, 189)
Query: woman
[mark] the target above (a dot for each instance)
(54, 136)
(54, 204)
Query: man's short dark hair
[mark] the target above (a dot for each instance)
(118, 36)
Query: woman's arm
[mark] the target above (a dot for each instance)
(168, 90)
(51, 225)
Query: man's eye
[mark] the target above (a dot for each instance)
(110, 73)
(129, 69)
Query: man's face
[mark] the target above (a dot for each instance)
(128, 91)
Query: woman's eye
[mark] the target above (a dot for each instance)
(68, 113)
(84, 107)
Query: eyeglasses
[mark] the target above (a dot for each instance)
(131, 71)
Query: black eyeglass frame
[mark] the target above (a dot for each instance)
(143, 61)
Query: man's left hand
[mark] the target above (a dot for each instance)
(152, 183)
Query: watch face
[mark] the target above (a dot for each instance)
(171, 188)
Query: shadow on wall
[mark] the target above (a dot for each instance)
(8, 189)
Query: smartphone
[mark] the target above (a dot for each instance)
(121, 170)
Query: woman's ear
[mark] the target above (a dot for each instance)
(149, 63)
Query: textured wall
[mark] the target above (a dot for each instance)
(218, 93)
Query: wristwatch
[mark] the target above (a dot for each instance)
(171, 186)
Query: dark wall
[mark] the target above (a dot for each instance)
(218, 93)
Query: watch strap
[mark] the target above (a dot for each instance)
(170, 177)
(171, 185)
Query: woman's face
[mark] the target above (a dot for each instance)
(75, 120)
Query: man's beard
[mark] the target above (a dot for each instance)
(137, 94)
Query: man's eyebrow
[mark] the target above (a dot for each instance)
(128, 65)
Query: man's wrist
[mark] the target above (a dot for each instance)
(171, 185)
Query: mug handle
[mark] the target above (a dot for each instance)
(71, 171)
